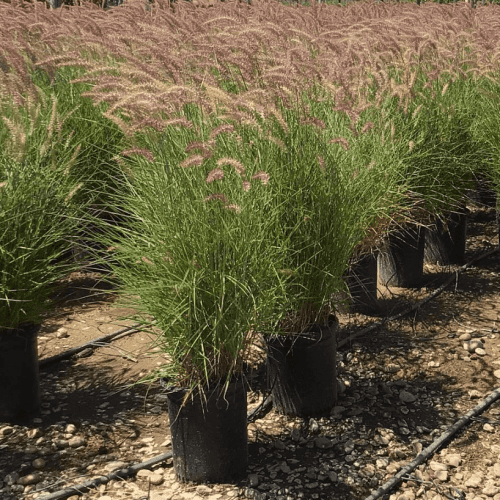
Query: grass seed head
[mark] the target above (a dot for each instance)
(239, 167)
(215, 175)
(262, 176)
(193, 161)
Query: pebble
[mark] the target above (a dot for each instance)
(76, 441)
(112, 466)
(39, 463)
(156, 479)
(474, 481)
(70, 429)
(407, 397)
(465, 336)
(480, 351)
(11, 478)
(436, 466)
(5, 431)
(279, 445)
(34, 433)
(333, 476)
(253, 480)
(490, 490)
(454, 460)
(488, 428)
(475, 394)
(407, 495)
(29, 479)
(496, 470)
(203, 490)
(323, 443)
(62, 333)
(442, 475)
(472, 345)
(313, 426)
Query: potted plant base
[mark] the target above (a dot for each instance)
(401, 261)
(362, 284)
(446, 243)
(209, 433)
(302, 371)
(19, 375)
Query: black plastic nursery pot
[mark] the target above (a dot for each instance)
(19, 375)
(445, 243)
(302, 371)
(362, 284)
(401, 260)
(483, 194)
(209, 436)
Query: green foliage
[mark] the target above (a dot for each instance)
(38, 210)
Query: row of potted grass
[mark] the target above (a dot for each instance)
(230, 230)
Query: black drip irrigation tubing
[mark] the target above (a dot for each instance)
(435, 445)
(265, 406)
(417, 305)
(90, 345)
(82, 488)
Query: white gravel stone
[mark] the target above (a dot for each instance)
(29, 479)
(39, 463)
(11, 478)
(5, 431)
(490, 490)
(475, 394)
(442, 475)
(407, 397)
(332, 476)
(474, 481)
(488, 428)
(253, 480)
(480, 351)
(70, 429)
(203, 490)
(76, 441)
(497, 373)
(62, 333)
(454, 460)
(473, 344)
(156, 479)
(435, 466)
(112, 466)
(407, 495)
(34, 433)
(465, 336)
(323, 443)
(496, 470)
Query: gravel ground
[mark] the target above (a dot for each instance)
(401, 386)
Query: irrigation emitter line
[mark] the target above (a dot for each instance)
(417, 305)
(435, 445)
(106, 339)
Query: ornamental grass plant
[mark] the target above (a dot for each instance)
(38, 211)
(233, 230)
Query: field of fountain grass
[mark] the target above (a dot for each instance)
(231, 157)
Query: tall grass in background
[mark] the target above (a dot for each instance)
(38, 211)
(486, 128)
(261, 146)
